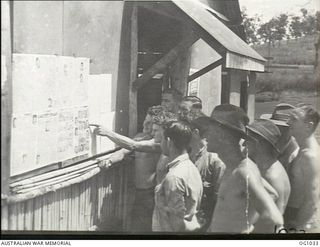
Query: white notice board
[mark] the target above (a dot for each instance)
(50, 119)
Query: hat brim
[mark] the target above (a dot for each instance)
(276, 122)
(242, 133)
(264, 138)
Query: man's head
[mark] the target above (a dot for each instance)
(190, 108)
(171, 98)
(303, 121)
(265, 137)
(176, 137)
(226, 126)
(280, 117)
(199, 127)
(148, 121)
(159, 117)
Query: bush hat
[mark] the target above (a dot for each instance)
(267, 130)
(232, 117)
(280, 115)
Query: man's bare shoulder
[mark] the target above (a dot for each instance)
(309, 161)
(246, 169)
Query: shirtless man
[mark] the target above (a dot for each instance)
(241, 194)
(171, 99)
(144, 175)
(287, 145)
(211, 169)
(149, 145)
(190, 108)
(303, 211)
(263, 150)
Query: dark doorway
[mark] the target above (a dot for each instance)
(157, 34)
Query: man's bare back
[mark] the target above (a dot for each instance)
(242, 200)
(305, 195)
(278, 179)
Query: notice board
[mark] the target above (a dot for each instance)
(50, 117)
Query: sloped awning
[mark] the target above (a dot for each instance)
(239, 55)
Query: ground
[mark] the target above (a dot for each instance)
(293, 98)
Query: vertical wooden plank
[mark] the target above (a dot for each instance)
(251, 95)
(122, 95)
(179, 72)
(20, 218)
(28, 221)
(50, 210)
(4, 217)
(44, 218)
(56, 207)
(71, 209)
(88, 203)
(37, 214)
(94, 201)
(133, 114)
(77, 206)
(62, 210)
(13, 213)
(82, 202)
(6, 96)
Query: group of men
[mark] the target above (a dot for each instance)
(220, 173)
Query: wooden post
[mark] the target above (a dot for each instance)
(165, 60)
(133, 113)
(6, 96)
(180, 70)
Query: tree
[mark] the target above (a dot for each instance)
(296, 27)
(308, 22)
(280, 26)
(250, 25)
(267, 31)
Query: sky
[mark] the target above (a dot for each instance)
(267, 9)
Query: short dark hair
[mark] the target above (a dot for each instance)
(180, 134)
(201, 123)
(311, 115)
(177, 95)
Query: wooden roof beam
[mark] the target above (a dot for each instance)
(165, 61)
(205, 69)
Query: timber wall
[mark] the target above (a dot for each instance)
(102, 200)
(81, 29)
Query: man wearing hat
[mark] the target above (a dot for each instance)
(263, 150)
(303, 211)
(242, 195)
(287, 145)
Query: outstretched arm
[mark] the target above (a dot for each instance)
(148, 146)
(115, 157)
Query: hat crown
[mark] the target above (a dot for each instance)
(267, 130)
(231, 116)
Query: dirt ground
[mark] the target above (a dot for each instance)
(293, 98)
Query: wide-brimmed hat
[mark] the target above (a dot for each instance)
(232, 117)
(280, 115)
(267, 130)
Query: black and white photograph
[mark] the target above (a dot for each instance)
(168, 119)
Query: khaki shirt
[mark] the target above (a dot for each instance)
(178, 197)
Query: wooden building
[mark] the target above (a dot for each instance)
(145, 47)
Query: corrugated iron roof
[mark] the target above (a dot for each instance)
(217, 29)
